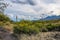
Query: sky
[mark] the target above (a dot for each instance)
(32, 9)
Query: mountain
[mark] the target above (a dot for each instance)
(54, 17)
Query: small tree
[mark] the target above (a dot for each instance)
(2, 6)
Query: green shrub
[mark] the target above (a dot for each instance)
(26, 29)
(4, 17)
(33, 27)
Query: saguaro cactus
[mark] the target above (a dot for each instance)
(16, 18)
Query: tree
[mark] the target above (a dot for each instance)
(2, 6)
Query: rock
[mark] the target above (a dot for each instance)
(6, 35)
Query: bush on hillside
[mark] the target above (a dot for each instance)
(25, 30)
(4, 17)
(33, 27)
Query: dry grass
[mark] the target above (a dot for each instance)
(41, 36)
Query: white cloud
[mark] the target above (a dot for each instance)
(40, 9)
(57, 1)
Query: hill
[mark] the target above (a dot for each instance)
(5, 22)
(54, 17)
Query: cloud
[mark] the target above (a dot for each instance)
(33, 9)
(57, 1)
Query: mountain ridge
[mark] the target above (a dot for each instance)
(54, 17)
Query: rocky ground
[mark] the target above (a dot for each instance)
(42, 36)
(6, 35)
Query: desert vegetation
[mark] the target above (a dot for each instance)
(28, 26)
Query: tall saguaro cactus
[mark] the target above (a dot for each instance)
(16, 18)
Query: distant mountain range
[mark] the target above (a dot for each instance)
(54, 17)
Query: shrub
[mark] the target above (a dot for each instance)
(4, 17)
(26, 29)
(33, 27)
